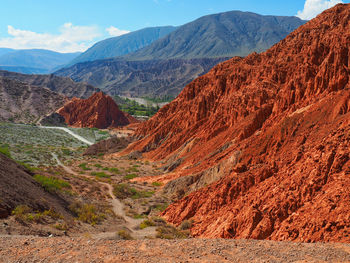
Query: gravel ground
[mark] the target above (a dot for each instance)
(65, 249)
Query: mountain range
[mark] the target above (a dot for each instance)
(214, 38)
(62, 85)
(150, 78)
(226, 34)
(122, 45)
(33, 61)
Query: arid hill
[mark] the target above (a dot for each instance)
(262, 142)
(22, 102)
(98, 111)
(62, 85)
(17, 187)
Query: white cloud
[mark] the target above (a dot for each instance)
(314, 7)
(116, 32)
(70, 39)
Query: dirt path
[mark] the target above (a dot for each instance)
(118, 208)
(80, 138)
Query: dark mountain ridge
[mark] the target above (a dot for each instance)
(152, 71)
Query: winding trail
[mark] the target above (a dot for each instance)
(80, 138)
(118, 208)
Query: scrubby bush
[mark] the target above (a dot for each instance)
(4, 149)
(84, 167)
(130, 176)
(170, 232)
(51, 184)
(124, 235)
(87, 213)
(123, 191)
(100, 174)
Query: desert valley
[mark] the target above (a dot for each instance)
(225, 139)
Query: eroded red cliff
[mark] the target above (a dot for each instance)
(270, 133)
(98, 111)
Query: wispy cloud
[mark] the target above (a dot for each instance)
(116, 32)
(314, 7)
(70, 39)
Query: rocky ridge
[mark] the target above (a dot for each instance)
(22, 102)
(268, 135)
(62, 85)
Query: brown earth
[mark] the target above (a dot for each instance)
(61, 85)
(98, 111)
(21, 102)
(263, 140)
(60, 249)
(17, 187)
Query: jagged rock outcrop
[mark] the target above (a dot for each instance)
(278, 123)
(98, 111)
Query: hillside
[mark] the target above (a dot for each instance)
(121, 45)
(34, 61)
(21, 102)
(154, 78)
(258, 147)
(61, 85)
(226, 34)
(18, 187)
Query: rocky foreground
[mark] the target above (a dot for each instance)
(35, 249)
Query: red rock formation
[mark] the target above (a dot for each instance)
(274, 129)
(98, 111)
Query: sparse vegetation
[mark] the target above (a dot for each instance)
(123, 191)
(130, 176)
(51, 184)
(114, 170)
(123, 234)
(87, 213)
(186, 224)
(170, 232)
(84, 167)
(157, 184)
(4, 149)
(134, 108)
(100, 174)
(146, 223)
(24, 213)
(161, 207)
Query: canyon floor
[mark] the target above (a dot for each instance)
(112, 182)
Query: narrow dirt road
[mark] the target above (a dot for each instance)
(117, 207)
(80, 138)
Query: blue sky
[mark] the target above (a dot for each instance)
(74, 25)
